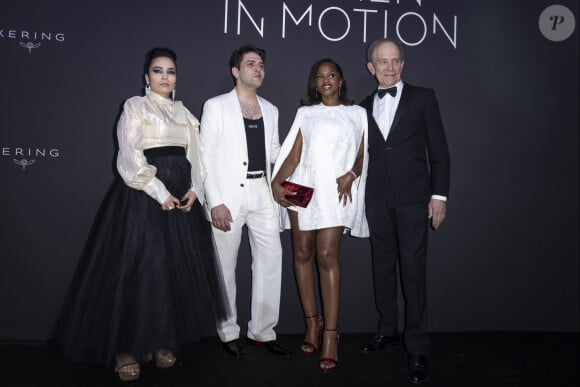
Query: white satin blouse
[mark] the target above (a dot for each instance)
(150, 122)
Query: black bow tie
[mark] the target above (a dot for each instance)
(391, 90)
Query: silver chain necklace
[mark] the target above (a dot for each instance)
(251, 112)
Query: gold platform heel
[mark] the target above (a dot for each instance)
(127, 367)
(164, 358)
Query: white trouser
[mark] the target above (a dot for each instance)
(260, 216)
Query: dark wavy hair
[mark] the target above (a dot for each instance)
(238, 55)
(158, 52)
(312, 96)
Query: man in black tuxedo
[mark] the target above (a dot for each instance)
(407, 188)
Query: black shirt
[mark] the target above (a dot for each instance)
(256, 144)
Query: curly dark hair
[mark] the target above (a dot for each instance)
(313, 98)
(238, 54)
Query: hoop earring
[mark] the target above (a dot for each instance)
(173, 94)
(147, 90)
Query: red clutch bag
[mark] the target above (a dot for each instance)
(303, 193)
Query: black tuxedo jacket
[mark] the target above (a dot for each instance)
(414, 159)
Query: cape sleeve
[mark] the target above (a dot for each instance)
(360, 227)
(284, 152)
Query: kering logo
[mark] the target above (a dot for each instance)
(25, 157)
(29, 39)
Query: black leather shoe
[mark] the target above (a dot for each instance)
(235, 348)
(418, 371)
(380, 342)
(271, 346)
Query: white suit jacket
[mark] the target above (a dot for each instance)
(225, 150)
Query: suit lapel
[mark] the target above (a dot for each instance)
(266, 116)
(237, 119)
(401, 108)
(268, 127)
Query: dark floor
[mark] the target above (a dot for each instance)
(458, 360)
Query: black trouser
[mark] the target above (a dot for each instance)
(399, 235)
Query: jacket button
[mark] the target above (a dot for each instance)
(241, 185)
(244, 163)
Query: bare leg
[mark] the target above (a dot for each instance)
(327, 256)
(303, 246)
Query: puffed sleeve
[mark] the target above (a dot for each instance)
(194, 149)
(131, 162)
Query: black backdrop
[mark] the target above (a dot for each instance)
(507, 256)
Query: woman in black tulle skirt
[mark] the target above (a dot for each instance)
(148, 280)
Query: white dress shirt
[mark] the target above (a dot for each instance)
(384, 109)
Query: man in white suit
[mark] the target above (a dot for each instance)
(239, 130)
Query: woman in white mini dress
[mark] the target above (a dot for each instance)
(324, 150)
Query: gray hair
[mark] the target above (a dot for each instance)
(375, 43)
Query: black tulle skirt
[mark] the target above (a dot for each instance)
(147, 279)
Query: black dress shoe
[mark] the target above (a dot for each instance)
(235, 348)
(418, 371)
(380, 342)
(271, 346)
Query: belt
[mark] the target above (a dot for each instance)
(255, 175)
